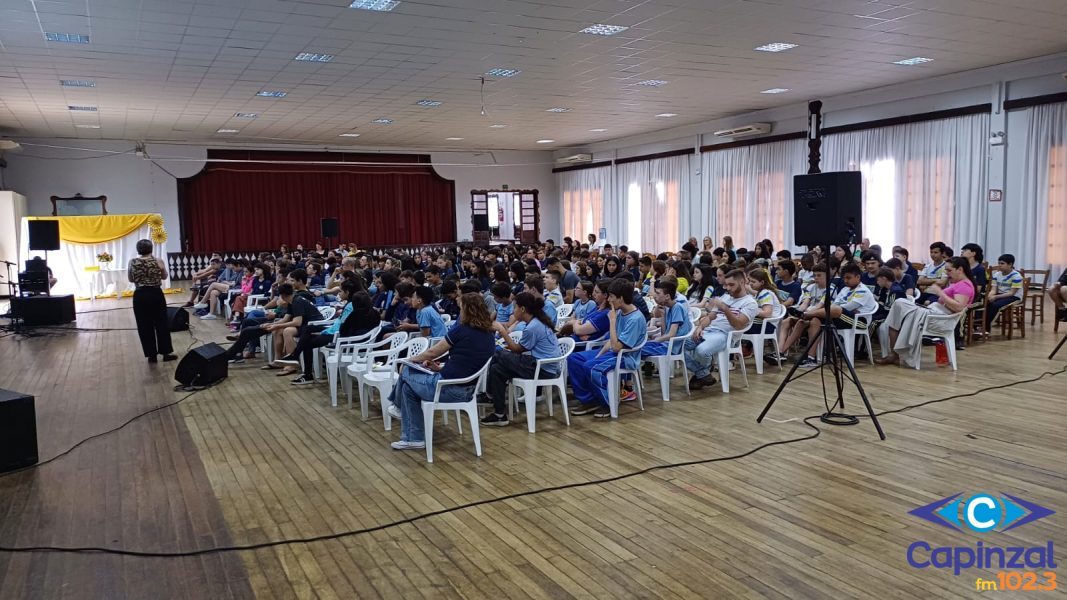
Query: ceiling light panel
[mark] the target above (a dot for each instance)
(652, 82)
(245, 115)
(502, 72)
(428, 103)
(82, 108)
(602, 29)
(382, 121)
(67, 38)
(85, 83)
(227, 131)
(351, 135)
(312, 57)
(558, 109)
(776, 47)
(376, 5)
(272, 94)
(918, 60)
(775, 91)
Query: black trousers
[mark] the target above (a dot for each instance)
(150, 312)
(506, 366)
(310, 340)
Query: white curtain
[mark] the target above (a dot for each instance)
(1041, 238)
(923, 182)
(648, 209)
(69, 262)
(583, 194)
(748, 192)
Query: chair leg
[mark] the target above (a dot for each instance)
(364, 400)
(530, 397)
(637, 388)
(563, 404)
(950, 345)
(331, 376)
(459, 422)
(665, 368)
(548, 390)
(1022, 324)
(383, 395)
(427, 423)
(685, 374)
(472, 412)
(724, 371)
(744, 371)
(757, 353)
(613, 394)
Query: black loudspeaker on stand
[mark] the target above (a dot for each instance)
(44, 234)
(203, 366)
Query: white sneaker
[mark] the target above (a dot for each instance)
(200, 306)
(408, 445)
(393, 411)
(208, 317)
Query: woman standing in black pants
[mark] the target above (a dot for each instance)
(149, 306)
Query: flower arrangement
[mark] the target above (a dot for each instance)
(104, 257)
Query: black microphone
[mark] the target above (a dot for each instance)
(7, 262)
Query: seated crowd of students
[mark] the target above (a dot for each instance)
(699, 295)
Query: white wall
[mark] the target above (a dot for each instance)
(136, 185)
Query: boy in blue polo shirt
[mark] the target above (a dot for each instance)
(504, 308)
(587, 371)
(1007, 287)
(428, 319)
(675, 320)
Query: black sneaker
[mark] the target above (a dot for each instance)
(484, 398)
(232, 337)
(773, 358)
(237, 360)
(602, 413)
(585, 409)
(699, 383)
(303, 380)
(808, 363)
(495, 420)
(648, 370)
(1061, 314)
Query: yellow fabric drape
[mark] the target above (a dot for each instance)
(96, 229)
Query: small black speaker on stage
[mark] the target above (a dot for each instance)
(44, 310)
(203, 366)
(44, 235)
(827, 208)
(18, 431)
(480, 222)
(177, 318)
(331, 228)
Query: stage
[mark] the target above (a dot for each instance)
(255, 459)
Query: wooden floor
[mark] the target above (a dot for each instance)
(254, 460)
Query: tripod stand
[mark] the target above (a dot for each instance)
(1058, 346)
(834, 357)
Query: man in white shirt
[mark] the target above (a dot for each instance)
(934, 271)
(852, 299)
(733, 311)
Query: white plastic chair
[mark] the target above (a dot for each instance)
(758, 340)
(665, 364)
(733, 346)
(529, 387)
(694, 314)
(327, 351)
(227, 309)
(945, 330)
(565, 311)
(470, 407)
(848, 337)
(362, 361)
(650, 303)
(384, 378)
(615, 378)
(344, 352)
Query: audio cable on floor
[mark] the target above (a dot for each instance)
(461, 507)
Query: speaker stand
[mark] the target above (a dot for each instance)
(833, 357)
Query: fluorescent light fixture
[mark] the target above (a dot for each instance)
(382, 121)
(602, 29)
(69, 38)
(497, 126)
(558, 109)
(82, 108)
(546, 141)
(245, 115)
(775, 47)
(429, 103)
(652, 82)
(378, 5)
(501, 72)
(453, 139)
(918, 60)
(227, 131)
(353, 134)
(77, 83)
(272, 93)
(598, 130)
(667, 115)
(88, 126)
(312, 57)
(775, 91)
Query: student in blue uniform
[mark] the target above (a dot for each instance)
(519, 359)
(502, 296)
(583, 300)
(426, 316)
(587, 371)
(1007, 287)
(789, 287)
(534, 284)
(675, 320)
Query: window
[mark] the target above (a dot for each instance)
(633, 215)
(583, 194)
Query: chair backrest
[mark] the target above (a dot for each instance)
(1038, 278)
(389, 348)
(694, 314)
(650, 303)
(628, 351)
(566, 346)
(417, 346)
(465, 381)
(446, 318)
(733, 343)
(564, 311)
(257, 300)
(327, 312)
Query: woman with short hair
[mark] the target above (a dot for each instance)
(148, 272)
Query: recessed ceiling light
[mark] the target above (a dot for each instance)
(88, 126)
(501, 72)
(77, 83)
(775, 47)
(312, 57)
(602, 29)
(558, 109)
(272, 93)
(598, 130)
(428, 103)
(497, 126)
(353, 134)
(667, 115)
(69, 38)
(382, 121)
(227, 131)
(918, 60)
(82, 108)
(245, 115)
(378, 5)
(546, 141)
(453, 139)
(652, 82)
(775, 91)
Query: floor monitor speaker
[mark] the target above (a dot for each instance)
(202, 366)
(18, 431)
(177, 318)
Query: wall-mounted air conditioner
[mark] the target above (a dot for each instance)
(745, 130)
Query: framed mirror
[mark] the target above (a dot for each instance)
(78, 205)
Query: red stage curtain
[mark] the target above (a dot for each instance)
(259, 206)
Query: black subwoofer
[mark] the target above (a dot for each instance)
(202, 366)
(18, 431)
